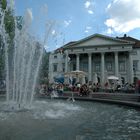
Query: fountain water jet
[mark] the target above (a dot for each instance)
(22, 63)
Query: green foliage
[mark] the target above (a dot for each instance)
(3, 4)
(9, 23)
(1, 59)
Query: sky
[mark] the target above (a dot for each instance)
(72, 20)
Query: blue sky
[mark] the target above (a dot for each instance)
(75, 19)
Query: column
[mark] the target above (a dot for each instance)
(77, 61)
(66, 62)
(89, 67)
(116, 64)
(130, 67)
(102, 68)
(60, 64)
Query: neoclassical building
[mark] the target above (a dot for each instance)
(98, 54)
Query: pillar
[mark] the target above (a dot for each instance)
(66, 62)
(77, 61)
(130, 67)
(89, 67)
(102, 68)
(116, 64)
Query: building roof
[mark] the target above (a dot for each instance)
(120, 40)
(128, 38)
(70, 43)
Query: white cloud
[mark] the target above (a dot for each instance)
(109, 5)
(67, 22)
(109, 31)
(88, 29)
(89, 6)
(90, 11)
(53, 32)
(124, 15)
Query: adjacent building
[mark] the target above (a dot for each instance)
(98, 55)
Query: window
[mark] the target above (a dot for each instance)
(135, 65)
(109, 66)
(121, 66)
(63, 67)
(84, 66)
(55, 56)
(64, 56)
(97, 66)
(74, 66)
(54, 67)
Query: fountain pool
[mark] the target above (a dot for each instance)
(58, 120)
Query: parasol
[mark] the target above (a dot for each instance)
(113, 78)
(76, 73)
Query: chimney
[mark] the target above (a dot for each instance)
(125, 35)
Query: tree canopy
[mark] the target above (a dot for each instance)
(9, 24)
(3, 4)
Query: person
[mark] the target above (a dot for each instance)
(45, 89)
(106, 86)
(118, 87)
(84, 90)
(78, 86)
(94, 87)
(97, 87)
(138, 86)
(81, 91)
(112, 89)
(42, 90)
(61, 89)
(50, 89)
(90, 87)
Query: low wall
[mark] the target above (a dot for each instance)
(131, 100)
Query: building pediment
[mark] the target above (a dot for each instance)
(98, 40)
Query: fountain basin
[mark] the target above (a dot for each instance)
(60, 119)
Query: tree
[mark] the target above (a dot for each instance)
(9, 24)
(3, 4)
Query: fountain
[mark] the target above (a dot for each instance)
(53, 119)
(22, 64)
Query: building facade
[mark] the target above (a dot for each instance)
(98, 55)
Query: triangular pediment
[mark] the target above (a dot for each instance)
(98, 40)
